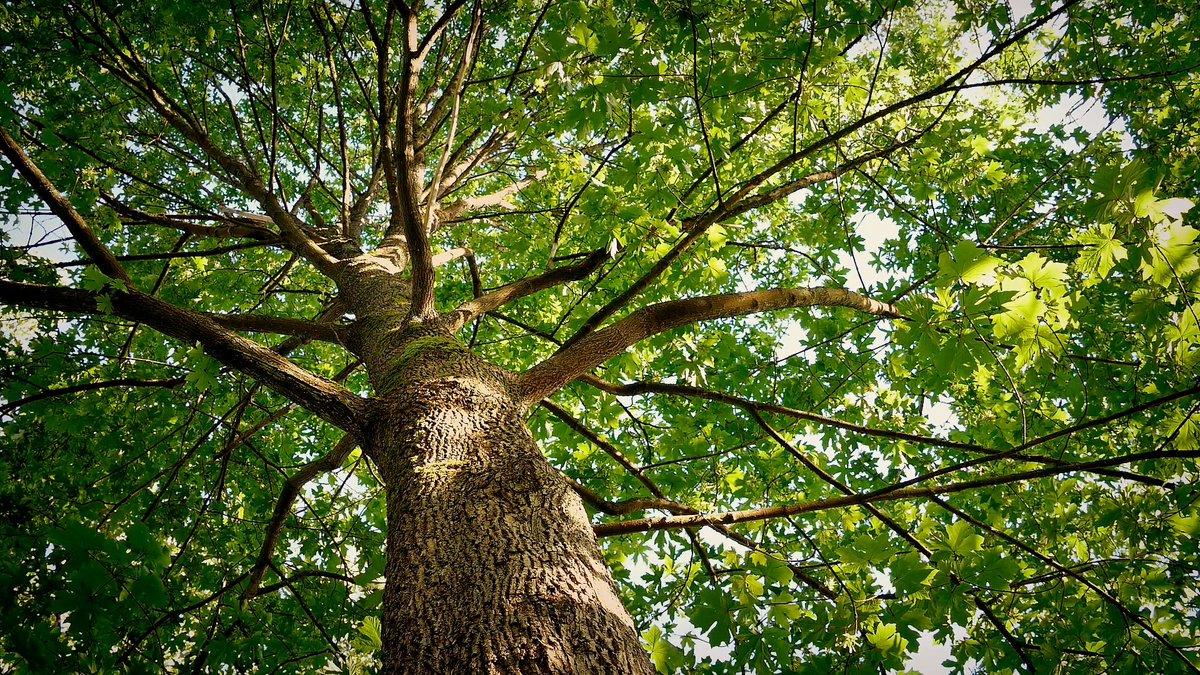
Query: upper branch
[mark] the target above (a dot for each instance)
(124, 62)
(61, 207)
(588, 352)
(400, 170)
(468, 311)
(498, 198)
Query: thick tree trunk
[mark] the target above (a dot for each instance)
(492, 564)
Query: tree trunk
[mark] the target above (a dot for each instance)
(492, 563)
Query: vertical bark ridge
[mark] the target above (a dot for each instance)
(492, 564)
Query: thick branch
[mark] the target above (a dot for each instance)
(255, 323)
(401, 173)
(596, 348)
(498, 198)
(324, 398)
(236, 227)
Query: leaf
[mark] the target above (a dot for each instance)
(1170, 254)
(1043, 275)
(1021, 315)
(909, 572)
(992, 569)
(1101, 254)
(149, 589)
(371, 630)
(886, 638)
(969, 263)
(710, 613)
(204, 370)
(961, 538)
(667, 658)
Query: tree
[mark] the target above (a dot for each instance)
(337, 331)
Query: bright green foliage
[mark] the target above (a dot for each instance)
(1048, 272)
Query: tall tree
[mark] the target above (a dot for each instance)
(337, 331)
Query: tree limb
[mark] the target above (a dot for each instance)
(61, 207)
(256, 323)
(662, 502)
(498, 198)
(283, 506)
(468, 311)
(885, 495)
(755, 407)
(324, 398)
(595, 348)
(89, 386)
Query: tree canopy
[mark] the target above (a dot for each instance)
(861, 324)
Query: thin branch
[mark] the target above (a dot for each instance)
(1074, 574)
(283, 507)
(891, 493)
(435, 187)
(470, 310)
(754, 407)
(622, 508)
(90, 386)
(664, 503)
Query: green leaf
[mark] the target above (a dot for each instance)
(1171, 254)
(1101, 254)
(886, 638)
(969, 263)
(149, 589)
(909, 572)
(992, 569)
(961, 539)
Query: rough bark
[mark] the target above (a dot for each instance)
(492, 563)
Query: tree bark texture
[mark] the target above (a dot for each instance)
(492, 563)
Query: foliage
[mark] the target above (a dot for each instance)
(1026, 431)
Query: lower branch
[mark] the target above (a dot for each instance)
(661, 501)
(1129, 614)
(283, 507)
(642, 387)
(883, 495)
(90, 386)
(328, 400)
